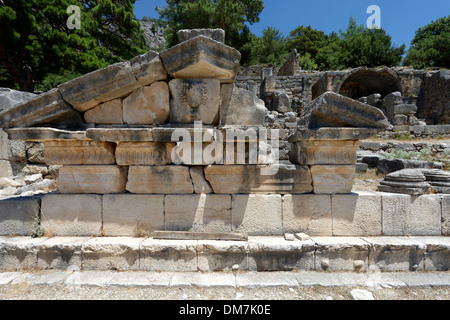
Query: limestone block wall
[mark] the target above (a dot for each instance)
(137, 215)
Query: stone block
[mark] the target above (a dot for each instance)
(144, 153)
(79, 152)
(222, 255)
(334, 110)
(277, 254)
(425, 216)
(99, 179)
(391, 254)
(356, 214)
(168, 255)
(215, 34)
(46, 108)
(445, 226)
(18, 216)
(395, 212)
(241, 107)
(74, 215)
(110, 112)
(148, 68)
(147, 105)
(324, 152)
(233, 179)
(257, 214)
(437, 256)
(88, 91)
(202, 58)
(202, 213)
(307, 213)
(194, 100)
(19, 253)
(132, 215)
(60, 252)
(201, 185)
(341, 254)
(113, 253)
(332, 179)
(159, 180)
(6, 169)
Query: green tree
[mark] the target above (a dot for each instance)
(359, 46)
(271, 48)
(306, 40)
(229, 15)
(431, 46)
(36, 41)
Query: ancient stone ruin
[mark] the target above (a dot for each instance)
(170, 142)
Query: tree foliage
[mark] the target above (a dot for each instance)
(271, 48)
(36, 41)
(229, 15)
(431, 46)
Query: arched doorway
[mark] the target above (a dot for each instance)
(363, 82)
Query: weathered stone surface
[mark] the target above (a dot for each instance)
(147, 105)
(159, 180)
(42, 134)
(387, 166)
(332, 179)
(74, 152)
(194, 100)
(438, 179)
(10, 98)
(60, 252)
(144, 153)
(18, 253)
(232, 179)
(425, 216)
(437, 256)
(356, 214)
(202, 58)
(97, 179)
(307, 213)
(132, 215)
(302, 133)
(18, 216)
(110, 112)
(395, 213)
(445, 215)
(215, 34)
(280, 102)
(313, 152)
(396, 253)
(222, 255)
(340, 253)
(72, 215)
(148, 68)
(333, 110)
(407, 181)
(88, 91)
(257, 214)
(241, 107)
(47, 108)
(202, 213)
(111, 253)
(168, 255)
(292, 65)
(201, 185)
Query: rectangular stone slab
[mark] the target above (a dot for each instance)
(48, 107)
(312, 152)
(233, 179)
(74, 152)
(96, 179)
(159, 180)
(88, 91)
(186, 235)
(144, 153)
(331, 179)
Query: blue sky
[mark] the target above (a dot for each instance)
(400, 18)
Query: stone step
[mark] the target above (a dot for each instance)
(333, 254)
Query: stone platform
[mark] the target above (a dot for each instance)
(332, 254)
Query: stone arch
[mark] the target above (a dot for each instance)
(362, 82)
